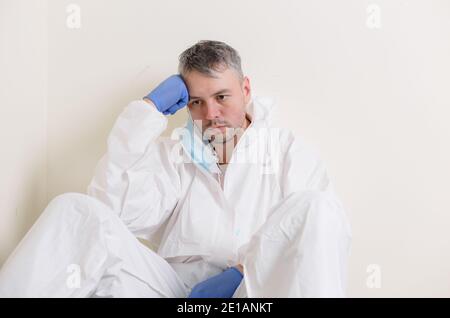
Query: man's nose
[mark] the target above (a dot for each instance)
(212, 111)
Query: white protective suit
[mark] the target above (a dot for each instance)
(274, 212)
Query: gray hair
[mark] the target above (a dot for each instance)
(208, 56)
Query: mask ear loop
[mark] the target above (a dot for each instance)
(193, 123)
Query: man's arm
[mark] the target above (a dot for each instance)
(125, 178)
(149, 102)
(135, 178)
(302, 169)
(240, 268)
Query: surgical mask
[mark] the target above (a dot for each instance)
(200, 150)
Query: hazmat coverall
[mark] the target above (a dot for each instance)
(274, 211)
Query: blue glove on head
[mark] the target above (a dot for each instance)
(170, 95)
(222, 285)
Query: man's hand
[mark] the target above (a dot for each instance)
(222, 285)
(169, 96)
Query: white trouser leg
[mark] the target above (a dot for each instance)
(79, 248)
(301, 251)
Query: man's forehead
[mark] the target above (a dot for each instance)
(201, 85)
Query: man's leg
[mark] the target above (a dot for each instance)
(79, 248)
(301, 250)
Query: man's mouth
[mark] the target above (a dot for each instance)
(221, 128)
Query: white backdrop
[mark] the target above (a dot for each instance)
(366, 82)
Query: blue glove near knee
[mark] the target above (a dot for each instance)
(170, 95)
(222, 285)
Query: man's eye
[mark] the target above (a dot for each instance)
(221, 97)
(195, 102)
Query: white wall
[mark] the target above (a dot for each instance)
(374, 101)
(23, 114)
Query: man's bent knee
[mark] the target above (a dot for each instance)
(78, 203)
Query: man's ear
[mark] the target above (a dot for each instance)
(246, 88)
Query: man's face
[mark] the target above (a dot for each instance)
(218, 102)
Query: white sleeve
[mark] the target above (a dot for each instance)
(303, 169)
(135, 177)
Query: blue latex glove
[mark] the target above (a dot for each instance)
(170, 95)
(222, 285)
